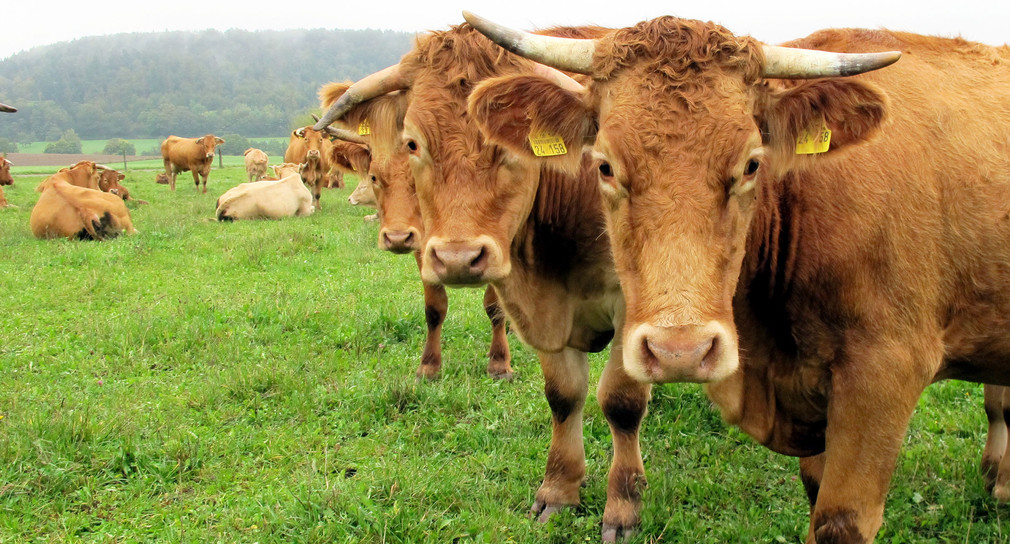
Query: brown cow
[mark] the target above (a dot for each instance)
(537, 236)
(69, 211)
(5, 172)
(161, 178)
(109, 180)
(3, 199)
(817, 296)
(193, 154)
(306, 147)
(354, 158)
(255, 163)
(81, 174)
(383, 164)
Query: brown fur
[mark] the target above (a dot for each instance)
(255, 163)
(81, 174)
(5, 172)
(68, 211)
(189, 154)
(846, 282)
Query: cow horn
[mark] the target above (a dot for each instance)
(346, 135)
(300, 132)
(7, 109)
(792, 63)
(101, 167)
(314, 117)
(569, 54)
(384, 81)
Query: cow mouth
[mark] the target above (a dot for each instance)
(463, 263)
(690, 353)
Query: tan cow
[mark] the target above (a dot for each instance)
(818, 282)
(5, 172)
(268, 199)
(161, 179)
(109, 180)
(306, 148)
(536, 235)
(255, 163)
(384, 164)
(69, 211)
(82, 174)
(189, 154)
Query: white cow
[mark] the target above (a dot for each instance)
(268, 199)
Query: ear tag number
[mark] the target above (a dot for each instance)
(814, 140)
(364, 129)
(547, 145)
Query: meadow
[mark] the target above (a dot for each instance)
(254, 382)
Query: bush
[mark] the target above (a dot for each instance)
(68, 143)
(8, 146)
(115, 146)
(234, 145)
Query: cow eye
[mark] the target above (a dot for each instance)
(412, 146)
(606, 172)
(751, 168)
(373, 179)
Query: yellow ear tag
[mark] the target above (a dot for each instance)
(364, 129)
(546, 145)
(814, 140)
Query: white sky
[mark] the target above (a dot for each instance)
(26, 24)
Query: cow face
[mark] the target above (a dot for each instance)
(312, 140)
(687, 132)
(108, 181)
(209, 144)
(5, 172)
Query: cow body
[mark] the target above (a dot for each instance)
(537, 236)
(255, 163)
(189, 154)
(82, 174)
(817, 296)
(382, 167)
(268, 199)
(306, 147)
(68, 211)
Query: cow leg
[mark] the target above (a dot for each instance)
(996, 440)
(566, 381)
(811, 472)
(624, 402)
(873, 394)
(499, 358)
(436, 305)
(317, 193)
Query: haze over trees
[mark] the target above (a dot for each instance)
(150, 85)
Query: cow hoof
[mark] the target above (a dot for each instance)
(1001, 492)
(542, 511)
(503, 376)
(611, 533)
(426, 375)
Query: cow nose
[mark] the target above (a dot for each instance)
(460, 262)
(313, 153)
(689, 353)
(398, 241)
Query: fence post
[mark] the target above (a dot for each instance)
(220, 159)
(124, 161)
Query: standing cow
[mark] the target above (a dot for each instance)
(193, 154)
(306, 147)
(255, 163)
(817, 296)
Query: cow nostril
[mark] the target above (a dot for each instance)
(409, 239)
(479, 263)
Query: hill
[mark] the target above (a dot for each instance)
(149, 85)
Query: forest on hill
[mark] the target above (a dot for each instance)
(150, 85)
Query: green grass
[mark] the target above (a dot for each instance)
(253, 382)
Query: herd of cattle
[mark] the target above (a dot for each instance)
(815, 236)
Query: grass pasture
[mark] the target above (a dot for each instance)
(254, 382)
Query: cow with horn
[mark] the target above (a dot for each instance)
(816, 249)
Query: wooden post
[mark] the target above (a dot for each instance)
(220, 159)
(124, 160)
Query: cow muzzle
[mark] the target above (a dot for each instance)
(687, 353)
(471, 262)
(399, 241)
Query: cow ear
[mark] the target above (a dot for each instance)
(219, 140)
(508, 110)
(851, 109)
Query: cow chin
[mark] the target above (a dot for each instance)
(471, 262)
(687, 353)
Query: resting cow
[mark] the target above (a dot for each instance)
(255, 163)
(401, 231)
(268, 199)
(109, 180)
(817, 296)
(68, 211)
(536, 235)
(82, 174)
(193, 154)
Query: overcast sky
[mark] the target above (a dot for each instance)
(27, 24)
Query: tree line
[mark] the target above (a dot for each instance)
(150, 85)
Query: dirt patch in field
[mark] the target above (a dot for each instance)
(61, 159)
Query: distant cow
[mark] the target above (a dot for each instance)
(82, 174)
(5, 172)
(306, 147)
(285, 169)
(108, 182)
(269, 199)
(161, 178)
(193, 154)
(255, 163)
(68, 211)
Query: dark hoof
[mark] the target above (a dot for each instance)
(542, 512)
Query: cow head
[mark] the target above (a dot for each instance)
(209, 144)
(684, 128)
(473, 196)
(385, 167)
(5, 172)
(313, 141)
(108, 181)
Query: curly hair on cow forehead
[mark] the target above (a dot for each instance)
(680, 49)
(458, 55)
